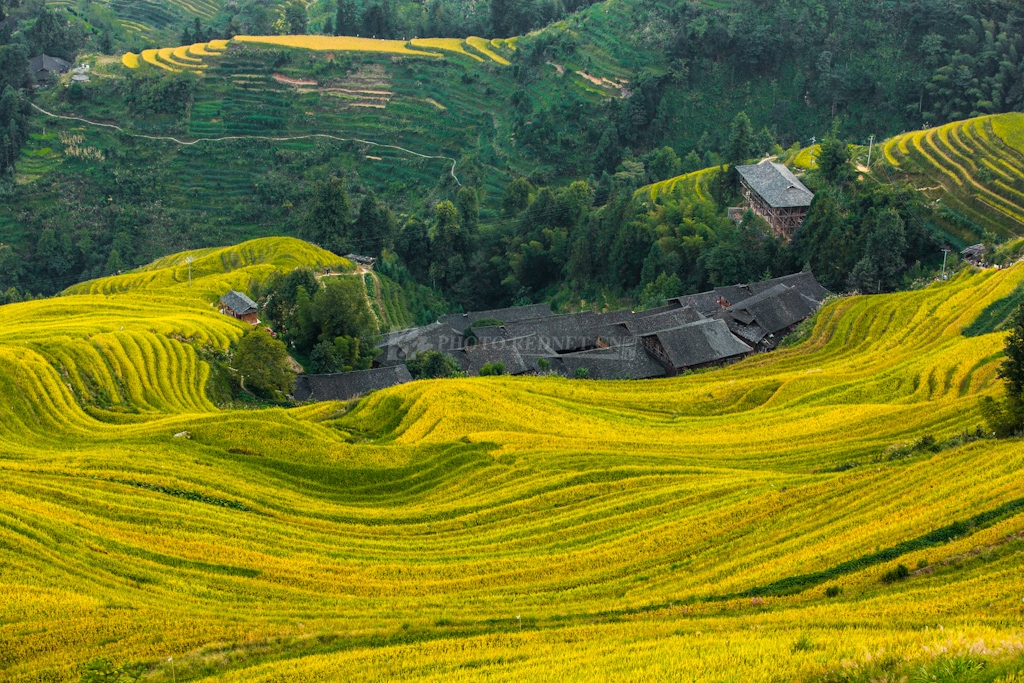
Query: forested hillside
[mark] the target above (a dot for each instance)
(538, 142)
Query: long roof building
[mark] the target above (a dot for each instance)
(776, 195)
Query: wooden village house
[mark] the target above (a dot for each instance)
(776, 195)
(239, 306)
(45, 68)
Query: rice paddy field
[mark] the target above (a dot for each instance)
(972, 167)
(694, 184)
(741, 524)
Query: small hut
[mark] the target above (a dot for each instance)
(44, 67)
(239, 306)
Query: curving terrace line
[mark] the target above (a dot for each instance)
(252, 137)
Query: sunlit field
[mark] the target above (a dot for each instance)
(740, 524)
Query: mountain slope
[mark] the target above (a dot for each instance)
(512, 528)
(974, 167)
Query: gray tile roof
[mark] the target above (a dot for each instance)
(701, 343)
(460, 321)
(239, 303)
(509, 352)
(629, 361)
(707, 303)
(774, 310)
(975, 251)
(398, 347)
(803, 282)
(45, 64)
(669, 305)
(612, 317)
(776, 184)
(563, 333)
(343, 386)
(664, 321)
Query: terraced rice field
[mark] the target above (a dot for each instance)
(974, 167)
(37, 157)
(182, 58)
(805, 159)
(694, 184)
(502, 528)
(146, 13)
(486, 48)
(193, 56)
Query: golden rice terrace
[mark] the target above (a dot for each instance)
(741, 524)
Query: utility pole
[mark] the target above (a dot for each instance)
(188, 259)
(945, 252)
(871, 145)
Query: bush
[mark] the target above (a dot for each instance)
(150, 92)
(490, 369)
(898, 574)
(581, 373)
(833, 592)
(485, 322)
(432, 365)
(102, 670)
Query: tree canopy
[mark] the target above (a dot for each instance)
(262, 364)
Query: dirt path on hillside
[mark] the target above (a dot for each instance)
(189, 143)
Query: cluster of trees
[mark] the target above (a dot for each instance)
(978, 72)
(398, 19)
(148, 93)
(262, 365)
(860, 234)
(596, 239)
(46, 31)
(196, 33)
(327, 321)
(1005, 415)
(883, 67)
(56, 33)
(14, 127)
(329, 221)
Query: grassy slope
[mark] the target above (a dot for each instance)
(622, 522)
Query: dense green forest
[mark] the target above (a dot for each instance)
(543, 204)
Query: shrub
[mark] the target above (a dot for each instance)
(898, 574)
(833, 591)
(485, 322)
(102, 670)
(156, 92)
(581, 373)
(802, 644)
(432, 365)
(490, 369)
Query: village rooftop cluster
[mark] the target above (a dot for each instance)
(686, 333)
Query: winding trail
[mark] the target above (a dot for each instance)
(250, 137)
